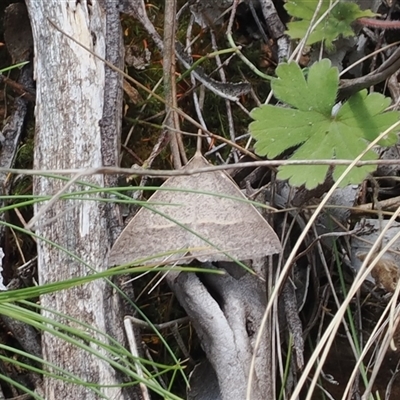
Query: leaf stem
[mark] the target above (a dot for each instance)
(378, 23)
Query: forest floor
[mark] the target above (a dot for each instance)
(142, 130)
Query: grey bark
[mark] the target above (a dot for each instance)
(227, 330)
(76, 129)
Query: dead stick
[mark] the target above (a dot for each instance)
(169, 79)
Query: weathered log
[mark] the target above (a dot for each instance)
(76, 128)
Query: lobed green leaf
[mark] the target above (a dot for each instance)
(318, 93)
(313, 127)
(337, 23)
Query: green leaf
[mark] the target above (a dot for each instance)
(336, 23)
(311, 125)
(307, 95)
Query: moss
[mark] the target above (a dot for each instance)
(24, 157)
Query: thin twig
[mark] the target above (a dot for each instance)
(134, 350)
(166, 173)
(222, 75)
(155, 95)
(169, 79)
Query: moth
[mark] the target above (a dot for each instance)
(219, 225)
